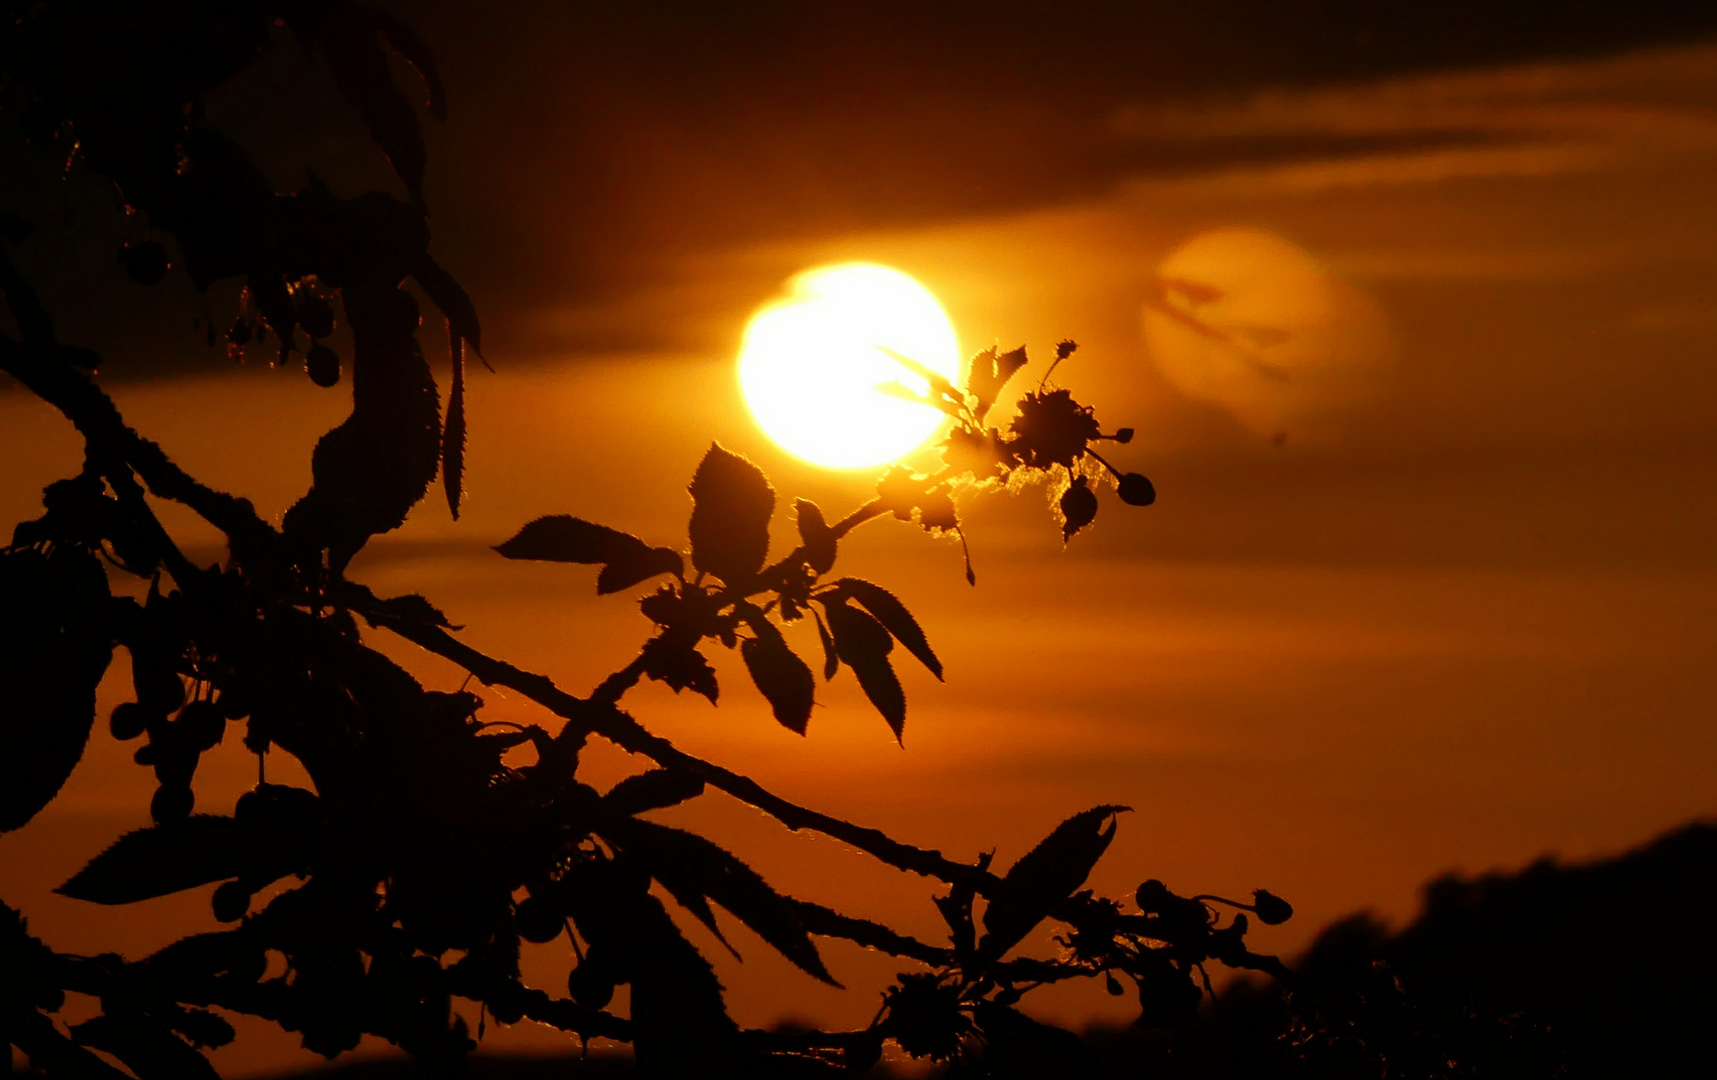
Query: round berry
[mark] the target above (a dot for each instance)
(171, 803)
(323, 365)
(128, 721)
(145, 261)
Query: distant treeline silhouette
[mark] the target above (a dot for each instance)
(433, 845)
(1552, 971)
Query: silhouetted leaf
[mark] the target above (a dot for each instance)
(942, 397)
(815, 535)
(53, 652)
(831, 658)
(732, 502)
(652, 790)
(563, 538)
(893, 615)
(692, 868)
(988, 374)
(453, 431)
(674, 661)
(1046, 875)
(780, 674)
(1017, 1047)
(406, 42)
(160, 860)
(626, 559)
(450, 297)
(633, 565)
(864, 645)
(346, 37)
(147, 1048)
(411, 608)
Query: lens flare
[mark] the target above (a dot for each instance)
(816, 371)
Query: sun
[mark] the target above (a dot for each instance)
(817, 373)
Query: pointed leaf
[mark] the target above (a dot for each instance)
(147, 1048)
(626, 559)
(405, 41)
(53, 652)
(411, 607)
(674, 661)
(449, 296)
(780, 675)
(453, 431)
(634, 564)
(815, 535)
(732, 503)
(347, 41)
(688, 865)
(1017, 1047)
(831, 658)
(1046, 875)
(989, 373)
(160, 860)
(652, 790)
(892, 614)
(864, 645)
(563, 538)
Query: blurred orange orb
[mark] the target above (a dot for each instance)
(816, 369)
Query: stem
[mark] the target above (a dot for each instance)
(605, 719)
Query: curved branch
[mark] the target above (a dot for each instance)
(610, 722)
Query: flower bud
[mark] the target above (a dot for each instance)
(1271, 909)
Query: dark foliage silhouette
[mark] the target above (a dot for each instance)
(433, 845)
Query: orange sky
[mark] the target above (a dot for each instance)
(1468, 623)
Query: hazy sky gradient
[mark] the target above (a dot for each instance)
(1466, 624)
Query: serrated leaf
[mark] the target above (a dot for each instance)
(938, 382)
(889, 611)
(450, 297)
(989, 374)
(162, 859)
(864, 645)
(147, 1048)
(53, 653)
(1018, 1047)
(831, 658)
(731, 506)
(453, 430)
(633, 565)
(347, 40)
(779, 673)
(674, 661)
(626, 560)
(652, 790)
(1045, 876)
(695, 869)
(406, 42)
(564, 538)
(411, 607)
(815, 535)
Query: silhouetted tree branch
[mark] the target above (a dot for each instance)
(433, 846)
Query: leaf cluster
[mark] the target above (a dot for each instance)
(432, 846)
(1051, 434)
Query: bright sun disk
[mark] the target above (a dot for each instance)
(813, 364)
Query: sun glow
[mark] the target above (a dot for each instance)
(817, 372)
